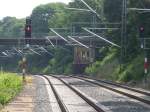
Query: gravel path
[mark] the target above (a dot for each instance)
(42, 101)
(114, 101)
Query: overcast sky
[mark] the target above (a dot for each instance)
(21, 8)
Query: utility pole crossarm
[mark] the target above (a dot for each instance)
(18, 51)
(4, 57)
(35, 52)
(138, 9)
(78, 42)
(101, 38)
(50, 41)
(8, 52)
(59, 35)
(92, 10)
(42, 48)
(77, 9)
(4, 53)
(104, 28)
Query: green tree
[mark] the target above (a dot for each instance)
(11, 27)
(40, 16)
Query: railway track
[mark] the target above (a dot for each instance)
(119, 85)
(143, 96)
(59, 100)
(112, 99)
(62, 104)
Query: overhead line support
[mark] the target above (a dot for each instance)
(101, 38)
(78, 42)
(59, 35)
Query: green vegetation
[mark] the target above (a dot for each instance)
(105, 67)
(61, 63)
(11, 27)
(10, 85)
(134, 70)
(107, 63)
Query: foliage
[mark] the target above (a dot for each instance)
(54, 15)
(133, 71)
(10, 64)
(105, 67)
(11, 27)
(36, 63)
(40, 17)
(60, 63)
(10, 85)
(113, 15)
(60, 18)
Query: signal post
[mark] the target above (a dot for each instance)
(27, 42)
(142, 34)
(28, 31)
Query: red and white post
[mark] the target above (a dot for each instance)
(146, 65)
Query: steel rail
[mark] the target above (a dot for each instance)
(59, 100)
(119, 85)
(91, 103)
(115, 90)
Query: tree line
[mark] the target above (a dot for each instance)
(56, 15)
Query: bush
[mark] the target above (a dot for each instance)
(134, 71)
(68, 69)
(104, 68)
(93, 69)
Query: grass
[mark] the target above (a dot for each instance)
(10, 85)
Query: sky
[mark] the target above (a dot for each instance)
(21, 8)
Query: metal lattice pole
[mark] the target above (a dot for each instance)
(124, 33)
